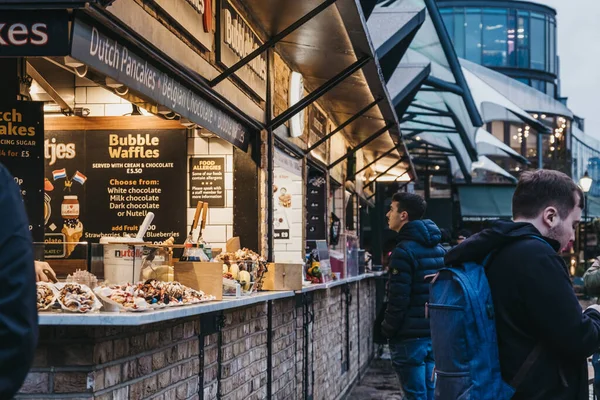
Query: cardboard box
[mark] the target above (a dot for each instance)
(281, 276)
(204, 276)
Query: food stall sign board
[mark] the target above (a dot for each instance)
(113, 58)
(34, 33)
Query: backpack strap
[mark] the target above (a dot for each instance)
(526, 367)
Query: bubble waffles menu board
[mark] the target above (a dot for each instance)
(21, 152)
(102, 183)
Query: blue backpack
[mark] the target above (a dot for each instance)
(463, 333)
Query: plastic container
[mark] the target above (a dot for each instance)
(122, 259)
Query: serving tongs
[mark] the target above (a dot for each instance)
(50, 275)
(203, 224)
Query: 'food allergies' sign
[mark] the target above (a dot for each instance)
(207, 181)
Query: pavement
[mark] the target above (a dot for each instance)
(379, 382)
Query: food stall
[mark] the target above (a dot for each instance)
(146, 192)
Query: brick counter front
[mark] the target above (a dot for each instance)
(224, 354)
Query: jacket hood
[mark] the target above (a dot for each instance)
(423, 231)
(478, 246)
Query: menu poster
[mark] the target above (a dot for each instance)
(130, 173)
(65, 179)
(22, 153)
(316, 227)
(287, 178)
(282, 205)
(207, 181)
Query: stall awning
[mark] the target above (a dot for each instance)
(485, 202)
(335, 40)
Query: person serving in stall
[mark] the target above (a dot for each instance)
(43, 272)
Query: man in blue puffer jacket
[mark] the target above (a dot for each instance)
(417, 254)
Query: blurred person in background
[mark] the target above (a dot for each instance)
(18, 305)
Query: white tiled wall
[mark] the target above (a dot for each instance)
(99, 101)
(219, 224)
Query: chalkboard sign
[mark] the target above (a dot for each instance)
(102, 183)
(207, 181)
(22, 153)
(315, 207)
(131, 173)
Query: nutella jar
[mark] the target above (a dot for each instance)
(70, 208)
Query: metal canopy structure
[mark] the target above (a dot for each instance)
(444, 117)
(340, 67)
(525, 97)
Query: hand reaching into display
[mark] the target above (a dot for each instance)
(40, 275)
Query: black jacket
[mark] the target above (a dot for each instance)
(534, 302)
(417, 254)
(18, 309)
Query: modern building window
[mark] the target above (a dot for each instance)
(503, 37)
(516, 139)
(538, 41)
(552, 46)
(473, 35)
(531, 145)
(448, 17)
(512, 38)
(550, 89)
(495, 50)
(539, 85)
(459, 32)
(522, 39)
(497, 129)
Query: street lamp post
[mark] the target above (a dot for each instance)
(586, 184)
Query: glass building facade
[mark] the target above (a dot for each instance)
(586, 157)
(555, 147)
(516, 41)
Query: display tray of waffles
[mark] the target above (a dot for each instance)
(46, 296)
(78, 298)
(124, 297)
(157, 293)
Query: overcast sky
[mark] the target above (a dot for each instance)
(579, 51)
